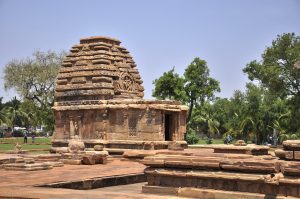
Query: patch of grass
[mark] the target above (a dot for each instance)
(214, 141)
(20, 140)
(6, 147)
(41, 143)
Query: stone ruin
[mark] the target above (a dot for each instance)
(99, 99)
(245, 174)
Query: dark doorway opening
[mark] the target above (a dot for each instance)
(168, 127)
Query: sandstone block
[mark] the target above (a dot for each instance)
(290, 168)
(71, 161)
(88, 160)
(138, 153)
(175, 146)
(98, 153)
(296, 155)
(240, 143)
(59, 150)
(291, 145)
(280, 153)
(98, 147)
(252, 166)
(76, 146)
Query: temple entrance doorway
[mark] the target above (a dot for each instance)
(168, 127)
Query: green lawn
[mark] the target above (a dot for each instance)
(20, 140)
(41, 143)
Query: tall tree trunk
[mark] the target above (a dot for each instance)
(190, 110)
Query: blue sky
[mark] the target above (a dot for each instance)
(159, 34)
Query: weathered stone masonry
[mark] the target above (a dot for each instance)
(98, 98)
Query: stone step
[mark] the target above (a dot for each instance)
(27, 167)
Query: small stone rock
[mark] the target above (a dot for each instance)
(98, 147)
(240, 143)
(76, 146)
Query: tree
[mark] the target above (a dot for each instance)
(2, 112)
(204, 120)
(34, 78)
(278, 73)
(193, 89)
(14, 113)
(199, 86)
(169, 86)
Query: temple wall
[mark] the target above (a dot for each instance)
(118, 124)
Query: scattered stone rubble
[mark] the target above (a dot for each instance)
(76, 153)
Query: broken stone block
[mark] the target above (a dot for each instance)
(98, 147)
(88, 160)
(240, 143)
(76, 146)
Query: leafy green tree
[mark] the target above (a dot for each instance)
(2, 112)
(15, 115)
(169, 86)
(277, 72)
(203, 120)
(33, 78)
(194, 88)
(199, 86)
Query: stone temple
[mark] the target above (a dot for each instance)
(99, 99)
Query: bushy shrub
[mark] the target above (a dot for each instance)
(192, 137)
(209, 141)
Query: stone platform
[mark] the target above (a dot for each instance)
(263, 176)
(250, 149)
(26, 182)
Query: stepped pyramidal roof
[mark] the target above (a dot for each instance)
(98, 69)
